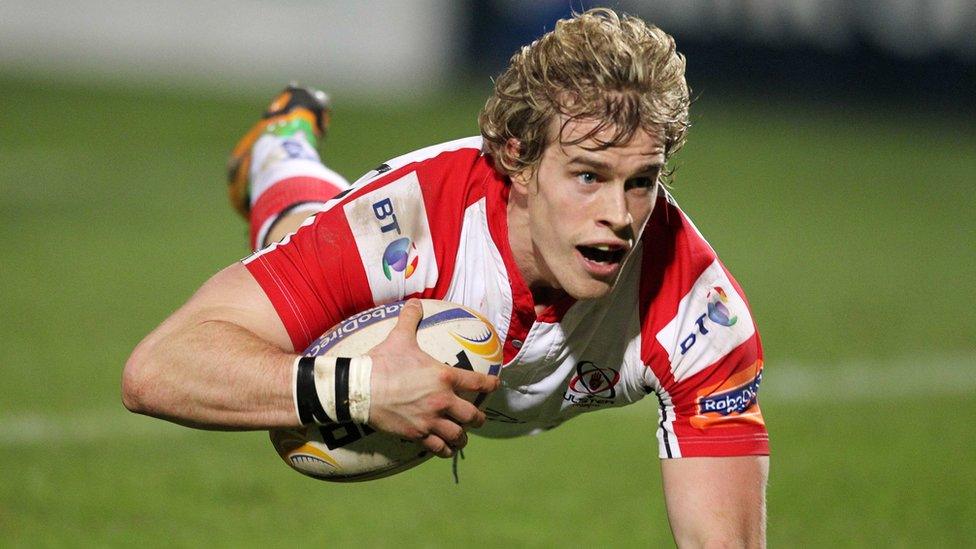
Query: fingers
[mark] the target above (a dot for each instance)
(450, 432)
(446, 437)
(436, 445)
(465, 413)
(465, 380)
(409, 319)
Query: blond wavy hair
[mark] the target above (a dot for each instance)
(596, 65)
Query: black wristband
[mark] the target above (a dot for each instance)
(342, 389)
(309, 407)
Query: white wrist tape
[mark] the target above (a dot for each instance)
(332, 389)
(360, 377)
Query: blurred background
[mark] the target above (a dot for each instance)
(831, 164)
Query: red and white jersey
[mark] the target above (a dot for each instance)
(433, 224)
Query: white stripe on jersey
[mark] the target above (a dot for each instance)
(480, 279)
(422, 154)
(667, 441)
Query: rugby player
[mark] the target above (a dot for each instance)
(554, 223)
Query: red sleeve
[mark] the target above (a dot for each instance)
(716, 412)
(314, 278)
(702, 349)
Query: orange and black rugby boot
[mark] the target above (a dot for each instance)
(296, 109)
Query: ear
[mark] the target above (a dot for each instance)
(520, 180)
(513, 147)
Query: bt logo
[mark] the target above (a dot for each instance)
(717, 309)
(718, 312)
(401, 254)
(383, 210)
(398, 258)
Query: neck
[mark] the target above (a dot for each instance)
(539, 281)
(544, 297)
(520, 241)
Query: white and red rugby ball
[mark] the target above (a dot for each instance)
(346, 452)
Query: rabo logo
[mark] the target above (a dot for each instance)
(734, 401)
(718, 312)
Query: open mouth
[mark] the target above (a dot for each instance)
(603, 255)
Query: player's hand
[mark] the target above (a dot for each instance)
(414, 396)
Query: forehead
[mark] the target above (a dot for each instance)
(568, 135)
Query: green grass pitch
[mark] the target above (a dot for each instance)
(851, 229)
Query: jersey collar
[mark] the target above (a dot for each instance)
(497, 192)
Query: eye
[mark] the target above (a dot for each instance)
(641, 183)
(587, 178)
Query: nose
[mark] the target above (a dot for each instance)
(614, 213)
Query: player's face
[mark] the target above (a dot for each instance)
(585, 208)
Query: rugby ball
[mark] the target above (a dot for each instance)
(346, 452)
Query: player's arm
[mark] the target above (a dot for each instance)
(219, 361)
(717, 501)
(222, 361)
